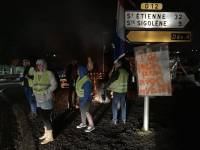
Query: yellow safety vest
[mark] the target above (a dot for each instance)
(41, 82)
(79, 85)
(31, 72)
(121, 84)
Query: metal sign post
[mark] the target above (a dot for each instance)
(146, 110)
(152, 74)
(146, 114)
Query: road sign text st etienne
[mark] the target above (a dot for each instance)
(143, 19)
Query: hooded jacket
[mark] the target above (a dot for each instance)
(86, 87)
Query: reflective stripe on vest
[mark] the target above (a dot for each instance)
(41, 83)
(79, 85)
(120, 85)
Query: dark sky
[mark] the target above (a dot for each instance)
(71, 28)
(67, 27)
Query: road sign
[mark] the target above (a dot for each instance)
(144, 19)
(153, 74)
(159, 36)
(151, 6)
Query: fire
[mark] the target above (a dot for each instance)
(99, 93)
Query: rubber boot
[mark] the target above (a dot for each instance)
(48, 138)
(45, 134)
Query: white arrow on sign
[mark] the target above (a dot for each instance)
(143, 19)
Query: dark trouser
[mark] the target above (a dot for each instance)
(121, 99)
(72, 98)
(84, 110)
(45, 117)
(30, 98)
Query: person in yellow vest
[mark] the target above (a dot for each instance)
(118, 84)
(27, 85)
(84, 89)
(44, 83)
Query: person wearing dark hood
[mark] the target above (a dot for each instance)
(84, 90)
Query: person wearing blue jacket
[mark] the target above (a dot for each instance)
(84, 90)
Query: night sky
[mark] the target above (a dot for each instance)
(72, 29)
(67, 28)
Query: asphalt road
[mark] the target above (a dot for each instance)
(173, 124)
